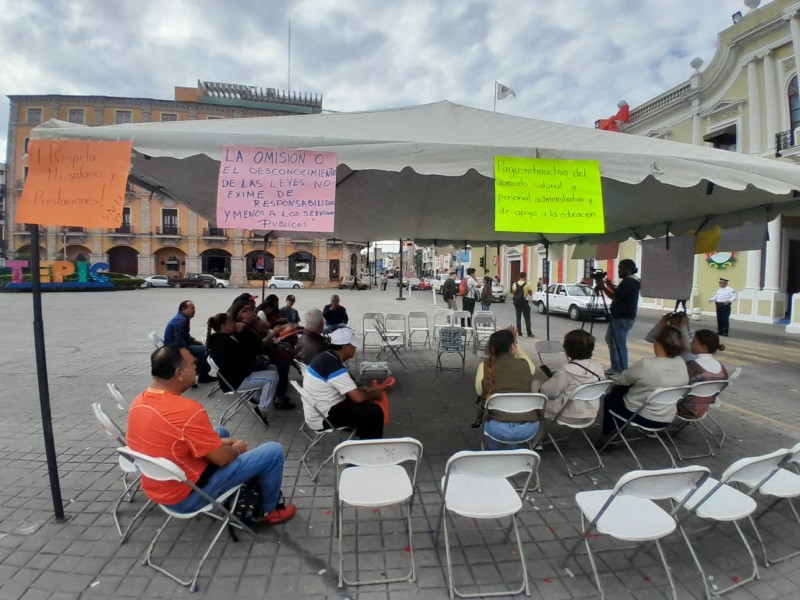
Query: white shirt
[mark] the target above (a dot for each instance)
(724, 294)
(472, 287)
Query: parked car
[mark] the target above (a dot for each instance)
(571, 299)
(438, 280)
(425, 283)
(195, 280)
(414, 283)
(498, 292)
(157, 281)
(282, 281)
(220, 283)
(347, 282)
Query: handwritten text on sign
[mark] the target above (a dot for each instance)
(548, 196)
(79, 183)
(276, 189)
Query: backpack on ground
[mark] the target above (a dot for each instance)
(462, 287)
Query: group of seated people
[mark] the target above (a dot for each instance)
(680, 358)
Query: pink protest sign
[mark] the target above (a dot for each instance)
(276, 189)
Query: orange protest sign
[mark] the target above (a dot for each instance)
(78, 183)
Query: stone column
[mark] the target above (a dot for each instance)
(771, 92)
(238, 263)
(193, 262)
(794, 27)
(772, 265)
(147, 264)
(322, 276)
(754, 105)
(281, 262)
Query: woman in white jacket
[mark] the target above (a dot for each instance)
(581, 369)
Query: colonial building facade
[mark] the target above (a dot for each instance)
(157, 234)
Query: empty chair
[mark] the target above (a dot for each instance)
(128, 469)
(628, 513)
(315, 436)
(240, 398)
(476, 486)
(371, 337)
(162, 469)
(718, 501)
(484, 324)
(708, 390)
(463, 319)
(452, 340)
(442, 317)
(662, 396)
(369, 475)
(418, 324)
(122, 403)
(155, 339)
(588, 392)
(395, 326)
(391, 342)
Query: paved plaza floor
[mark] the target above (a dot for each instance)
(95, 338)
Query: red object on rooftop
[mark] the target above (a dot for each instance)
(612, 124)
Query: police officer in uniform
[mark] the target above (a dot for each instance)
(723, 299)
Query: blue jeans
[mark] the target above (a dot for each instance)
(486, 306)
(266, 381)
(617, 340)
(264, 462)
(332, 328)
(509, 433)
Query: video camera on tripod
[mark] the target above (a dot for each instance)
(599, 277)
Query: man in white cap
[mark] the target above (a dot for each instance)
(335, 393)
(723, 298)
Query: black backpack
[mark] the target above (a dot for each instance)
(519, 293)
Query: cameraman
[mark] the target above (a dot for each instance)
(624, 301)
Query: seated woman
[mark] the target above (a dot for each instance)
(270, 312)
(503, 372)
(581, 369)
(335, 315)
(705, 367)
(239, 365)
(634, 385)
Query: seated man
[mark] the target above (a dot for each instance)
(335, 315)
(290, 313)
(311, 342)
(336, 394)
(164, 424)
(177, 333)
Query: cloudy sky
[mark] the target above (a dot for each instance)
(569, 61)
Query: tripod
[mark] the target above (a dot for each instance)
(598, 299)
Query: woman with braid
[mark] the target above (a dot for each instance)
(240, 365)
(506, 369)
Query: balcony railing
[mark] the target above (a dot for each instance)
(168, 230)
(783, 141)
(124, 228)
(214, 232)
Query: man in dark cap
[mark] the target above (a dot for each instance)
(723, 299)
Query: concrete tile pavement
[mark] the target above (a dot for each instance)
(95, 338)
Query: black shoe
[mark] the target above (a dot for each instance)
(284, 404)
(206, 379)
(530, 335)
(261, 416)
(194, 386)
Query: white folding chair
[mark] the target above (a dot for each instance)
(155, 339)
(240, 399)
(463, 316)
(162, 469)
(392, 342)
(588, 392)
(122, 403)
(442, 317)
(315, 436)
(720, 439)
(370, 331)
(718, 501)
(782, 485)
(128, 468)
(701, 389)
(395, 324)
(512, 403)
(476, 486)
(369, 474)
(418, 323)
(452, 340)
(661, 396)
(628, 512)
(484, 324)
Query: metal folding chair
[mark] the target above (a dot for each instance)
(513, 403)
(128, 468)
(442, 317)
(392, 342)
(418, 323)
(369, 329)
(463, 316)
(155, 339)
(315, 436)
(702, 389)
(122, 403)
(484, 324)
(628, 512)
(369, 474)
(663, 396)
(718, 501)
(476, 486)
(452, 340)
(162, 469)
(240, 398)
(588, 392)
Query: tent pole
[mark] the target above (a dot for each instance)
(264, 270)
(546, 295)
(41, 372)
(400, 285)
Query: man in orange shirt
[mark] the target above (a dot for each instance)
(164, 424)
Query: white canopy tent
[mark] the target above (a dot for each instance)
(427, 172)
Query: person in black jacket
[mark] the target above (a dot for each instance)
(240, 366)
(624, 301)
